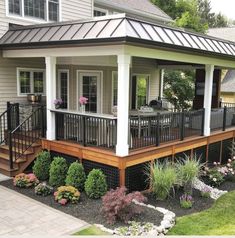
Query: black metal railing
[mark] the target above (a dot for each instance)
(227, 104)
(86, 130)
(164, 127)
(9, 120)
(26, 134)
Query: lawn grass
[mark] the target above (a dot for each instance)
(91, 231)
(218, 220)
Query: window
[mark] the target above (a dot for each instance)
(15, 7)
(99, 12)
(30, 81)
(47, 10)
(114, 88)
(64, 87)
(140, 84)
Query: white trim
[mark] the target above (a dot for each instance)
(59, 83)
(103, 10)
(31, 70)
(22, 16)
(113, 72)
(148, 86)
(99, 73)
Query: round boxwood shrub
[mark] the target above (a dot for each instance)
(41, 165)
(96, 185)
(76, 176)
(58, 171)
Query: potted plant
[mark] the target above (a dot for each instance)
(58, 103)
(83, 101)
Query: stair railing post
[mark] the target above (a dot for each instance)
(224, 118)
(10, 150)
(17, 119)
(9, 116)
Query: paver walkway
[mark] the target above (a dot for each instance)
(20, 215)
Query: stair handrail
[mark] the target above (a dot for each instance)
(24, 127)
(6, 121)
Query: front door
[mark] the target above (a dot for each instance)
(89, 86)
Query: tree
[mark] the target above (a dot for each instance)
(220, 21)
(179, 88)
(168, 6)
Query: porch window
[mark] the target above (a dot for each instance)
(98, 12)
(64, 87)
(15, 6)
(30, 81)
(140, 90)
(47, 10)
(114, 88)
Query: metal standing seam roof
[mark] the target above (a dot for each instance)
(118, 28)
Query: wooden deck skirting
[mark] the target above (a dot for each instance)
(140, 156)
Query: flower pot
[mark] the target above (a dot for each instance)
(83, 108)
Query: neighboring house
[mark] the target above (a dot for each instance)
(228, 82)
(115, 61)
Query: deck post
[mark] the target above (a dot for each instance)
(51, 95)
(208, 97)
(122, 148)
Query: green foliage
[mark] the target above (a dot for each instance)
(58, 171)
(96, 185)
(215, 178)
(162, 179)
(42, 189)
(42, 165)
(218, 220)
(76, 176)
(65, 194)
(179, 88)
(25, 180)
(187, 170)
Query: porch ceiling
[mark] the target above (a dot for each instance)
(118, 28)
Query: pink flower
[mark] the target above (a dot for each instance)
(63, 201)
(83, 100)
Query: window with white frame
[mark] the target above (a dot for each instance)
(47, 10)
(99, 12)
(30, 81)
(63, 84)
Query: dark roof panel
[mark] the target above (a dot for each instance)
(118, 26)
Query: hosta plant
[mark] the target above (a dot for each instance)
(118, 205)
(25, 180)
(65, 194)
(42, 189)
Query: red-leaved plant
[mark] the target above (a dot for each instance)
(118, 205)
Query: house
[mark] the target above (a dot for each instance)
(115, 61)
(228, 81)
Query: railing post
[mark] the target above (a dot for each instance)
(10, 150)
(42, 122)
(9, 116)
(203, 122)
(224, 118)
(17, 105)
(158, 130)
(182, 128)
(84, 130)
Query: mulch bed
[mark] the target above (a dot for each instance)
(87, 209)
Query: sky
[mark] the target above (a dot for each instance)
(226, 7)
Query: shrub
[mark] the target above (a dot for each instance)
(206, 192)
(186, 201)
(116, 204)
(42, 165)
(58, 171)
(76, 176)
(42, 189)
(162, 179)
(214, 177)
(96, 185)
(25, 180)
(187, 170)
(65, 194)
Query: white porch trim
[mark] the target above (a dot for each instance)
(208, 97)
(51, 95)
(122, 148)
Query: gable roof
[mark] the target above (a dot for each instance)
(227, 33)
(228, 83)
(115, 29)
(140, 7)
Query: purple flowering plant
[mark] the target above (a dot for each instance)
(186, 201)
(58, 102)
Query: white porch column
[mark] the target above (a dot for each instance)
(208, 97)
(161, 83)
(122, 148)
(51, 95)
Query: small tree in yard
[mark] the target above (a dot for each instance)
(118, 205)
(58, 171)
